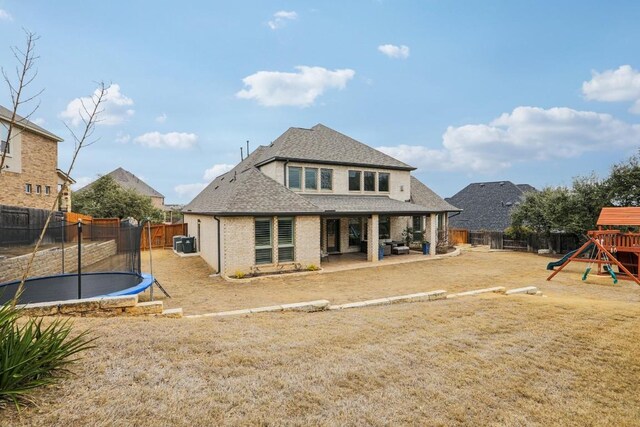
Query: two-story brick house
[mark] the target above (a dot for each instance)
(30, 176)
(311, 191)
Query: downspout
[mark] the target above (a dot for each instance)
(219, 257)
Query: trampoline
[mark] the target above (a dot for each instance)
(65, 286)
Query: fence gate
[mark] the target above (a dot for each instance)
(458, 236)
(162, 235)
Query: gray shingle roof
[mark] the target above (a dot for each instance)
(129, 181)
(485, 205)
(424, 196)
(6, 114)
(321, 144)
(346, 204)
(248, 192)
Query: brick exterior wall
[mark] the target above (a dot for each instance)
(49, 262)
(307, 240)
(238, 252)
(35, 163)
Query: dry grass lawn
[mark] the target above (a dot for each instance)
(568, 359)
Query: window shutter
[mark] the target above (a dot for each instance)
(264, 253)
(285, 240)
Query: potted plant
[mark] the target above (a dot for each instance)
(381, 250)
(425, 247)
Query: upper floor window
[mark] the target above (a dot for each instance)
(354, 180)
(27, 188)
(310, 178)
(383, 181)
(4, 144)
(369, 181)
(47, 190)
(38, 189)
(295, 177)
(326, 179)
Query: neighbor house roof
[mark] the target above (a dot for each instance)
(129, 181)
(321, 144)
(424, 196)
(347, 204)
(64, 177)
(486, 205)
(6, 114)
(248, 192)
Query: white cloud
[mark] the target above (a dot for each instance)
(275, 88)
(123, 138)
(527, 133)
(82, 182)
(215, 171)
(393, 51)
(179, 140)
(161, 118)
(115, 108)
(5, 16)
(280, 19)
(189, 191)
(618, 85)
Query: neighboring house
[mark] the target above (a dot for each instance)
(486, 206)
(129, 181)
(311, 191)
(64, 188)
(29, 177)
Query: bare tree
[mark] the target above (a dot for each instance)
(90, 117)
(25, 75)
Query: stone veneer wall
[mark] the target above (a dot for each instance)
(49, 262)
(39, 159)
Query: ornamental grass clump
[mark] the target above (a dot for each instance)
(33, 354)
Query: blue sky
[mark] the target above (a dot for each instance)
(532, 92)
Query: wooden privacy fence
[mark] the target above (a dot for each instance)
(162, 235)
(458, 236)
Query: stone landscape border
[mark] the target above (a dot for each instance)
(324, 305)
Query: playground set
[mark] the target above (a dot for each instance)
(609, 247)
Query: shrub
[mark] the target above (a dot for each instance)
(313, 267)
(33, 355)
(239, 275)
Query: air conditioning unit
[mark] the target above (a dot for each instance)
(188, 245)
(177, 239)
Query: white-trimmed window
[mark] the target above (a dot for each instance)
(27, 188)
(264, 242)
(47, 190)
(310, 178)
(354, 180)
(369, 181)
(295, 177)
(326, 179)
(4, 144)
(383, 182)
(286, 247)
(38, 189)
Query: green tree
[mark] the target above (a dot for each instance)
(624, 182)
(107, 199)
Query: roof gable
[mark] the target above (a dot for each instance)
(129, 181)
(6, 114)
(321, 144)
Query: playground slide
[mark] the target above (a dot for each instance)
(564, 259)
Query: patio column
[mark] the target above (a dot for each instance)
(373, 234)
(433, 238)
